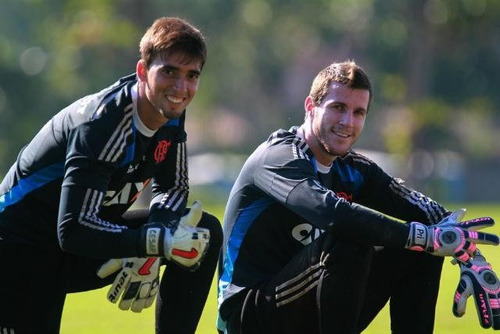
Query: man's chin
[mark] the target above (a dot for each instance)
(173, 114)
(335, 151)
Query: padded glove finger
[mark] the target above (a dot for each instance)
(109, 267)
(477, 279)
(136, 283)
(477, 223)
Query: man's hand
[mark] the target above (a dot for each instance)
(450, 237)
(479, 280)
(187, 244)
(184, 244)
(137, 282)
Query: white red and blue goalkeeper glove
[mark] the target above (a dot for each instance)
(185, 244)
(137, 283)
(477, 279)
(451, 237)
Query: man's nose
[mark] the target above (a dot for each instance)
(347, 118)
(181, 84)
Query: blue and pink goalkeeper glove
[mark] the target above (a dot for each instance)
(479, 280)
(451, 237)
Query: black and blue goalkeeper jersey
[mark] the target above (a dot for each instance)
(282, 201)
(85, 168)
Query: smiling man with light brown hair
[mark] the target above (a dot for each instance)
(66, 223)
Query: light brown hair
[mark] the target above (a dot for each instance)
(347, 73)
(171, 34)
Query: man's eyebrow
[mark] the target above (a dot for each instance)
(335, 102)
(197, 72)
(177, 68)
(340, 103)
(169, 67)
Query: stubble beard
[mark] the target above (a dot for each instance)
(325, 148)
(322, 143)
(331, 150)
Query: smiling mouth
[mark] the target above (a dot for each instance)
(341, 134)
(174, 99)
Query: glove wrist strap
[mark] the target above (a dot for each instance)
(154, 236)
(417, 238)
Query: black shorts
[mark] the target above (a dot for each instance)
(336, 286)
(35, 279)
(34, 282)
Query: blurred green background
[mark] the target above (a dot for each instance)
(434, 64)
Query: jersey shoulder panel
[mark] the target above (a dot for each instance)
(288, 146)
(102, 125)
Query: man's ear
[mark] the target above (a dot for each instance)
(309, 106)
(141, 70)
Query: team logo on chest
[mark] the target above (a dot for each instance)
(344, 195)
(161, 150)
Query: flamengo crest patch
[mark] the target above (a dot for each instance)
(161, 150)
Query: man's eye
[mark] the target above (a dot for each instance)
(168, 71)
(360, 113)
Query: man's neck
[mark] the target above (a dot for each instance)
(147, 113)
(321, 156)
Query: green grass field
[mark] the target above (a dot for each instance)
(91, 313)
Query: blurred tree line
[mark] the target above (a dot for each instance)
(434, 65)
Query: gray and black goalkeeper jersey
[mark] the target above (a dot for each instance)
(85, 168)
(281, 202)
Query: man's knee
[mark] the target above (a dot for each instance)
(349, 254)
(213, 224)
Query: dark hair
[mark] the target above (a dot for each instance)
(171, 34)
(347, 73)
